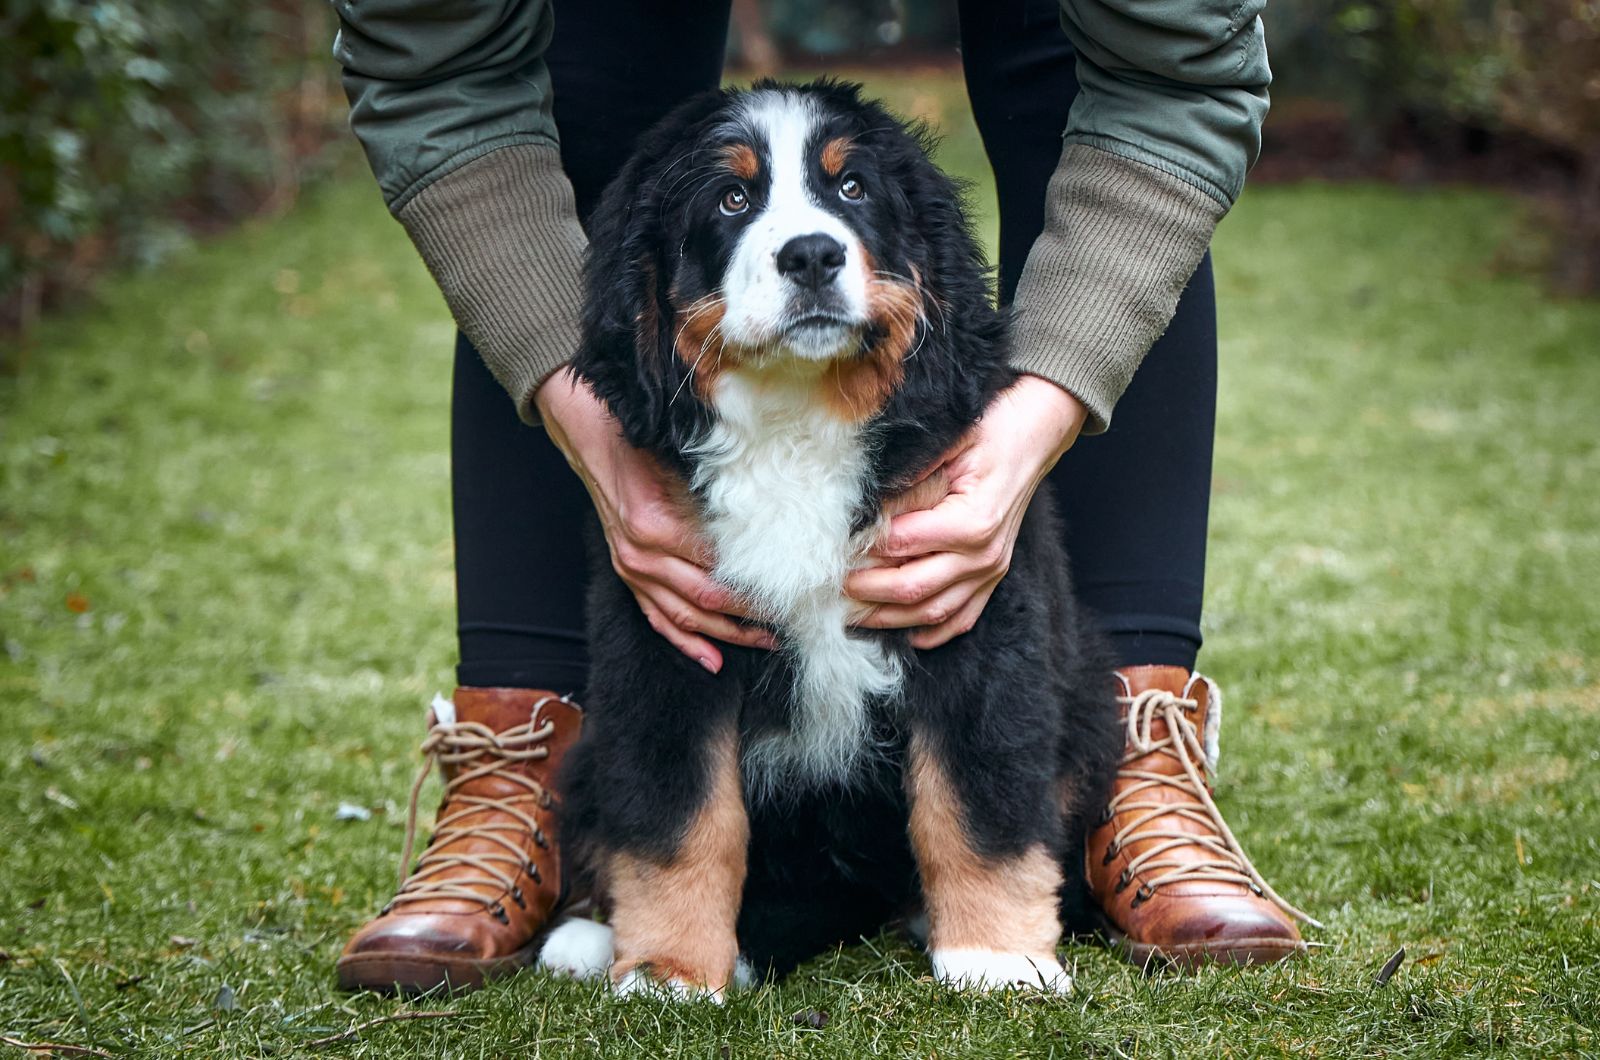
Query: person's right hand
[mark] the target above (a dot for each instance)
(655, 546)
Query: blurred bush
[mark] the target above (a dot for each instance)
(127, 124)
(1526, 71)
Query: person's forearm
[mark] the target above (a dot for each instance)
(451, 101)
(501, 237)
(1166, 123)
(1100, 285)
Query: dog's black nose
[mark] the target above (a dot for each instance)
(811, 261)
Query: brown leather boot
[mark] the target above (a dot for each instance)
(1168, 873)
(490, 879)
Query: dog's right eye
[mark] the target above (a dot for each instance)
(734, 202)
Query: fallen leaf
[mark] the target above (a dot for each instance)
(77, 603)
(183, 942)
(1390, 966)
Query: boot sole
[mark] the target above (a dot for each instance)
(1190, 956)
(411, 974)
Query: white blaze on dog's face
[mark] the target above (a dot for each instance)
(798, 279)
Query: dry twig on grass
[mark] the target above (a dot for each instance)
(344, 1036)
(51, 1047)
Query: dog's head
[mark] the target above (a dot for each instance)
(781, 228)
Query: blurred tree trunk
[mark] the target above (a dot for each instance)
(1549, 51)
(757, 52)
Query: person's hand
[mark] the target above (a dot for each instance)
(937, 565)
(655, 546)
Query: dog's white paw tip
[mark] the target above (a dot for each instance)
(638, 982)
(579, 948)
(987, 970)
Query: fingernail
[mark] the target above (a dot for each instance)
(708, 663)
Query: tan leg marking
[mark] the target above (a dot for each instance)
(676, 919)
(976, 903)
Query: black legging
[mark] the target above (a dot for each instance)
(1135, 498)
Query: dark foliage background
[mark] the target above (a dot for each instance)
(128, 125)
(125, 125)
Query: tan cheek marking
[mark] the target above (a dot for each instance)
(856, 388)
(1007, 906)
(834, 154)
(699, 344)
(742, 161)
(677, 919)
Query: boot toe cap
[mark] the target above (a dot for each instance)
(1219, 929)
(420, 953)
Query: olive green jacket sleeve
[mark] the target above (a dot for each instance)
(1166, 123)
(451, 101)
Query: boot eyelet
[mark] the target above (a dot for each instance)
(1111, 854)
(516, 896)
(1256, 889)
(540, 841)
(1143, 895)
(386, 910)
(1123, 881)
(500, 914)
(533, 870)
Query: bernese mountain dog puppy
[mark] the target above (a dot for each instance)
(787, 308)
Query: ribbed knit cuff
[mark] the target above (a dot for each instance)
(1120, 241)
(501, 237)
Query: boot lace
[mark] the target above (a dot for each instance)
(445, 873)
(1226, 861)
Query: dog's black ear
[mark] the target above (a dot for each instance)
(953, 267)
(960, 361)
(626, 355)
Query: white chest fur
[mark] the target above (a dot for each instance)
(781, 478)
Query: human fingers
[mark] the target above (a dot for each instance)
(686, 617)
(933, 611)
(959, 523)
(914, 582)
(699, 649)
(696, 585)
(957, 624)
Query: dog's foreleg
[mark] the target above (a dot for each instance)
(993, 924)
(674, 919)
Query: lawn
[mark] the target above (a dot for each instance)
(226, 596)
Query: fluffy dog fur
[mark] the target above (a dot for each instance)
(786, 307)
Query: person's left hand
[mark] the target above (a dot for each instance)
(937, 567)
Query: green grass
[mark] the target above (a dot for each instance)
(225, 596)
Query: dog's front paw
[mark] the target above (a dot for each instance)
(987, 970)
(645, 980)
(579, 948)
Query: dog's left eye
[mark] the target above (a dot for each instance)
(735, 201)
(851, 189)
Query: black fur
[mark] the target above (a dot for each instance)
(1018, 709)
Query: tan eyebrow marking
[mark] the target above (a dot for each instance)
(742, 160)
(834, 153)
